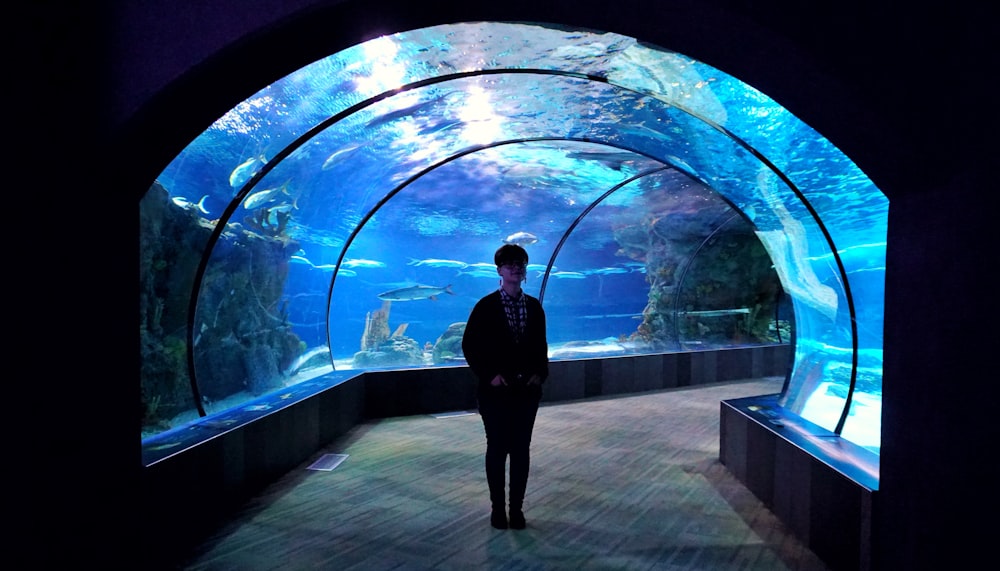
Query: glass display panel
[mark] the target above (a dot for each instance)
(453, 218)
(332, 190)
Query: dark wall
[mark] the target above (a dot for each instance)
(110, 94)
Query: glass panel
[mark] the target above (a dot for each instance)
(451, 220)
(727, 290)
(174, 235)
(243, 338)
(597, 289)
(464, 154)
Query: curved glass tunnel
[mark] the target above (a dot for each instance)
(345, 217)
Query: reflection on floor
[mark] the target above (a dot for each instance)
(617, 483)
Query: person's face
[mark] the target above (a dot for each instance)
(513, 271)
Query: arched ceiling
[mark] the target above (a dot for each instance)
(537, 121)
(425, 94)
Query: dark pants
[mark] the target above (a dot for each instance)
(508, 420)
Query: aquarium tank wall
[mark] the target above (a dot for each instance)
(344, 218)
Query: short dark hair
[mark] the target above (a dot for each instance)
(510, 253)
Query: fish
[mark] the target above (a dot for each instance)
(360, 263)
(415, 292)
(340, 154)
(262, 197)
(611, 270)
(296, 259)
(185, 203)
(570, 275)
(521, 239)
(438, 263)
(611, 159)
(245, 171)
(344, 273)
(480, 272)
(400, 113)
(283, 207)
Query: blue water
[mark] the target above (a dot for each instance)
(421, 187)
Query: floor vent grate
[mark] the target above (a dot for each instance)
(328, 462)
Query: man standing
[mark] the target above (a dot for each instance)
(505, 345)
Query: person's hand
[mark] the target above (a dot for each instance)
(498, 381)
(535, 380)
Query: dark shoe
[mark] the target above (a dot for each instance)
(517, 519)
(498, 519)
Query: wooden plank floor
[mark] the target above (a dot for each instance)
(630, 482)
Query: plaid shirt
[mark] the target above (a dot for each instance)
(517, 313)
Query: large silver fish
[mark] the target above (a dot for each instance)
(435, 263)
(263, 197)
(569, 275)
(360, 263)
(245, 170)
(415, 292)
(610, 270)
(521, 239)
(340, 154)
(490, 272)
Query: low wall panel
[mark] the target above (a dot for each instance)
(211, 477)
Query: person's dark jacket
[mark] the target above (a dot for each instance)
(490, 347)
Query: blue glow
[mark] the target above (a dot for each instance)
(495, 129)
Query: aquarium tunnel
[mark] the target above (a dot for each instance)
(344, 218)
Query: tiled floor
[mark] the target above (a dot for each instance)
(623, 483)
